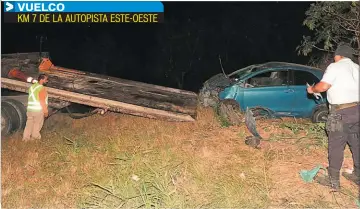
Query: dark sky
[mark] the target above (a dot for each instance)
(188, 43)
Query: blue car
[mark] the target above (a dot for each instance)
(276, 86)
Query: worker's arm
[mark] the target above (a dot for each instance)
(319, 87)
(42, 98)
(327, 80)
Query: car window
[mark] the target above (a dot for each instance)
(303, 77)
(270, 78)
(243, 72)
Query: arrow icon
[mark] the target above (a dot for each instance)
(9, 6)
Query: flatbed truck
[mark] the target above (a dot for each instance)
(103, 93)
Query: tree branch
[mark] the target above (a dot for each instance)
(348, 29)
(321, 49)
(222, 68)
(350, 22)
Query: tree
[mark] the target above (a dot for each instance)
(333, 23)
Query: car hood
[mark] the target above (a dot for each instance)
(218, 81)
(222, 81)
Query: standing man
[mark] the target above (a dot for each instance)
(341, 81)
(37, 109)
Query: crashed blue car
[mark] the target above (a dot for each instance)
(278, 87)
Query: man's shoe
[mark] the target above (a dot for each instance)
(354, 176)
(332, 180)
(327, 181)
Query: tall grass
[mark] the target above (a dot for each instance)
(121, 161)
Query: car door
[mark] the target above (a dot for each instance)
(304, 102)
(277, 96)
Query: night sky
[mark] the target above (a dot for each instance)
(186, 46)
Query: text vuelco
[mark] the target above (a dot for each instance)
(41, 7)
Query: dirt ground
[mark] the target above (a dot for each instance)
(124, 161)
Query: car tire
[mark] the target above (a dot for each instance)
(230, 110)
(262, 113)
(6, 124)
(14, 116)
(21, 111)
(320, 114)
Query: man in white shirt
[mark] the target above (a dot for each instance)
(341, 81)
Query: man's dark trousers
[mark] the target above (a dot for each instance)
(343, 128)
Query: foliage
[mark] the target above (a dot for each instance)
(333, 23)
(321, 60)
(314, 131)
(224, 122)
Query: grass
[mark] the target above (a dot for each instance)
(120, 161)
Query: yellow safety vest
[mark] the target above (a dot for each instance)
(33, 99)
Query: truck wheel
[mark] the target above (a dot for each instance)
(21, 111)
(6, 124)
(320, 115)
(14, 117)
(230, 110)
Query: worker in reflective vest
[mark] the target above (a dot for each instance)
(37, 109)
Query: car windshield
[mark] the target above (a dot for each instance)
(240, 74)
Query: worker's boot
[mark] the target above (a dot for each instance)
(354, 176)
(332, 180)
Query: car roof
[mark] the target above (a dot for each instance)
(280, 65)
(286, 64)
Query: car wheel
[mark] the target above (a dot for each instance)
(320, 115)
(262, 113)
(230, 110)
(21, 111)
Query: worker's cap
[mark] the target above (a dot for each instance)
(344, 50)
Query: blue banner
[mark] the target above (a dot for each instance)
(83, 6)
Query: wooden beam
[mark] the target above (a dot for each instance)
(93, 101)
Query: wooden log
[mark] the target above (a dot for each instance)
(93, 101)
(141, 84)
(135, 93)
(106, 87)
(33, 57)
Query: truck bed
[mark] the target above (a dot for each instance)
(114, 94)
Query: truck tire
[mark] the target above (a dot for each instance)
(6, 124)
(20, 109)
(14, 116)
(230, 110)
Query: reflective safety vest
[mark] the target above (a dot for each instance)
(33, 99)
